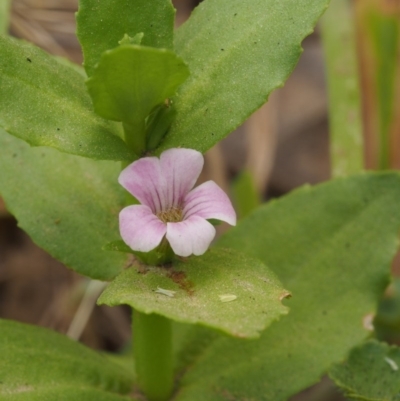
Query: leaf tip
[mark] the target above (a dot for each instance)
(285, 294)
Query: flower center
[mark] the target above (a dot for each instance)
(173, 215)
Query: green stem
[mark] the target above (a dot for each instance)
(339, 43)
(4, 15)
(245, 194)
(162, 255)
(152, 341)
(135, 137)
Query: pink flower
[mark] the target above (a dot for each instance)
(169, 206)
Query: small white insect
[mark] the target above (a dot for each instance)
(392, 363)
(227, 297)
(168, 293)
(368, 322)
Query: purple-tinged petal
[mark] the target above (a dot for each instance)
(140, 228)
(181, 169)
(144, 180)
(191, 236)
(209, 201)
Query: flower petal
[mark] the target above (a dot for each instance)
(181, 169)
(209, 201)
(140, 228)
(144, 180)
(193, 235)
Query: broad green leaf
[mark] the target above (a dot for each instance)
(117, 246)
(45, 103)
(69, 205)
(371, 373)
(38, 364)
(130, 81)
(101, 24)
(199, 288)
(79, 69)
(4, 15)
(346, 136)
(238, 52)
(332, 246)
(190, 343)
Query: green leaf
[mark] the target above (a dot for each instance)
(238, 52)
(70, 64)
(101, 24)
(130, 81)
(38, 364)
(332, 246)
(45, 103)
(4, 16)
(64, 393)
(158, 124)
(346, 135)
(371, 373)
(117, 246)
(69, 205)
(198, 285)
(136, 40)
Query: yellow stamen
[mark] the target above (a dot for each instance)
(173, 215)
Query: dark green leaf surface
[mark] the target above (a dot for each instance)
(40, 365)
(101, 24)
(238, 52)
(69, 205)
(371, 373)
(332, 246)
(45, 103)
(198, 283)
(131, 80)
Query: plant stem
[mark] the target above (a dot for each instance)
(162, 255)
(5, 6)
(152, 341)
(345, 115)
